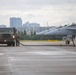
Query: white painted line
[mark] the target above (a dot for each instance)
(46, 53)
(1, 53)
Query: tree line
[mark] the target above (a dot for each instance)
(23, 36)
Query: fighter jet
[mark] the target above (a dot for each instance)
(46, 31)
(68, 31)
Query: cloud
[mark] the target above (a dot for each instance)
(16, 4)
(56, 12)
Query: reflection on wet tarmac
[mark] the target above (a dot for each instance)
(38, 60)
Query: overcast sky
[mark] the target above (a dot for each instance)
(55, 12)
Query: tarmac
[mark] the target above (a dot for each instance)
(38, 58)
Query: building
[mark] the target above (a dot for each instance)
(2, 26)
(15, 22)
(32, 25)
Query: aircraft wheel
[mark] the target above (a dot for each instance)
(67, 42)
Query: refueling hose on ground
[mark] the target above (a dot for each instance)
(22, 44)
(45, 45)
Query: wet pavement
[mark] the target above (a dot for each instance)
(38, 60)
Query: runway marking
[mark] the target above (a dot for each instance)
(1, 53)
(47, 53)
(44, 53)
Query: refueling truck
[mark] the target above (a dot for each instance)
(9, 36)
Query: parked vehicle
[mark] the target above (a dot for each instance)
(9, 36)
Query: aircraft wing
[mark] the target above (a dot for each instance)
(72, 29)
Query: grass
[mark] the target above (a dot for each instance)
(39, 40)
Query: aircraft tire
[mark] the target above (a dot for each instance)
(67, 42)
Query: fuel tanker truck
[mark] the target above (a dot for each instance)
(9, 36)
